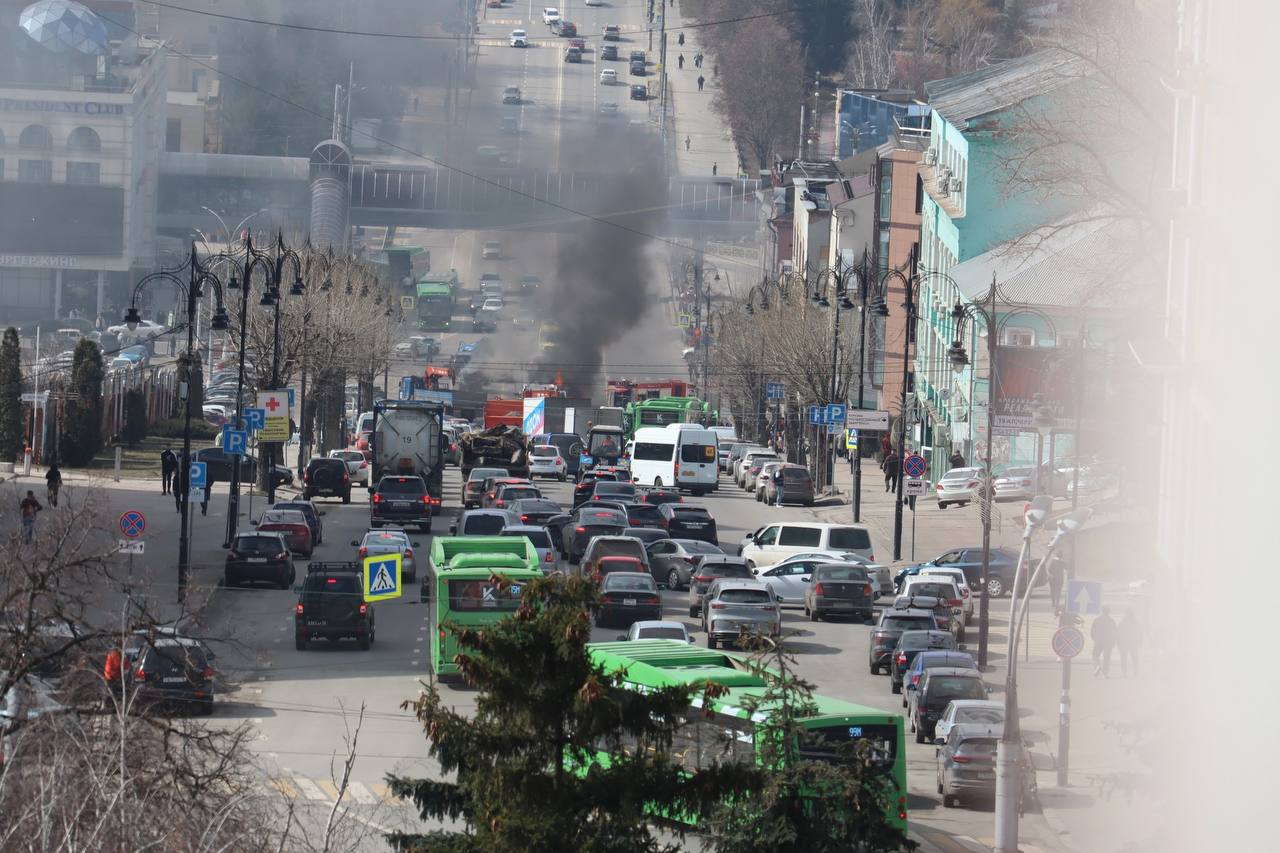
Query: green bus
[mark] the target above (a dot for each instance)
(661, 411)
(724, 728)
(435, 298)
(459, 587)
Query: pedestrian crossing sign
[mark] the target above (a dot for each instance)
(382, 577)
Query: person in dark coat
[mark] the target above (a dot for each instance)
(1103, 633)
(179, 489)
(1057, 577)
(1128, 639)
(957, 459)
(168, 468)
(890, 467)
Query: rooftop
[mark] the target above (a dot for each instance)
(988, 90)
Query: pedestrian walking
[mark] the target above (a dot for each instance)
(1128, 639)
(888, 466)
(957, 459)
(204, 501)
(886, 447)
(697, 60)
(53, 479)
(168, 468)
(777, 486)
(679, 38)
(180, 479)
(29, 507)
(680, 61)
(1103, 634)
(715, 167)
(1057, 578)
(701, 80)
(686, 142)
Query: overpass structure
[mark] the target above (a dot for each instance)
(325, 193)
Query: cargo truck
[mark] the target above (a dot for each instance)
(407, 439)
(503, 447)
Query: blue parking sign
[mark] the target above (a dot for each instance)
(836, 413)
(234, 441)
(255, 419)
(199, 471)
(815, 414)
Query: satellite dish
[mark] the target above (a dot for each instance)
(63, 26)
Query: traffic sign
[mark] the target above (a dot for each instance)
(131, 546)
(815, 415)
(276, 425)
(1068, 642)
(255, 419)
(836, 413)
(914, 465)
(199, 472)
(1084, 597)
(913, 486)
(684, 321)
(132, 523)
(382, 577)
(834, 428)
(862, 419)
(774, 391)
(234, 441)
(851, 439)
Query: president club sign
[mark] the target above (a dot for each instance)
(83, 108)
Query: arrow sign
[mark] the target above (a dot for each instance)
(131, 546)
(1084, 597)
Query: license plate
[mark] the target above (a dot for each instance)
(174, 679)
(694, 525)
(987, 775)
(317, 621)
(257, 559)
(400, 504)
(629, 602)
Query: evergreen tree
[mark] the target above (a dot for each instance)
(805, 805)
(135, 417)
(11, 416)
(542, 707)
(82, 418)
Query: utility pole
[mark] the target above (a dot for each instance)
(662, 78)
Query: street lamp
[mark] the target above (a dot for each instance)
(191, 289)
(1009, 752)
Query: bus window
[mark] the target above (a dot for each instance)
(472, 596)
(697, 453)
(646, 451)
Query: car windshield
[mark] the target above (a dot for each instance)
(620, 490)
(795, 474)
(347, 455)
(538, 505)
(694, 546)
(644, 512)
(692, 513)
(539, 538)
(937, 590)
(518, 493)
(483, 525)
(603, 516)
(943, 688)
(962, 474)
(402, 485)
(618, 548)
(906, 623)
(621, 580)
(744, 596)
(483, 474)
(257, 545)
(725, 570)
(985, 716)
(697, 453)
(546, 450)
(849, 539)
(840, 573)
(924, 640)
(980, 746)
(661, 632)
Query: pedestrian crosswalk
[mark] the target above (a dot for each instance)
(326, 791)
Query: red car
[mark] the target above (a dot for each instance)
(293, 525)
(579, 43)
(607, 565)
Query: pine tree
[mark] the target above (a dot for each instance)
(11, 417)
(82, 418)
(805, 805)
(543, 707)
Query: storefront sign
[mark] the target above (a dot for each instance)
(84, 108)
(40, 261)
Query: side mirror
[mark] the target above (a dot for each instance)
(355, 543)
(807, 580)
(691, 640)
(417, 544)
(622, 638)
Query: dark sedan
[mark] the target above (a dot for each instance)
(646, 515)
(259, 557)
(893, 622)
(839, 588)
(584, 487)
(910, 644)
(535, 510)
(590, 523)
(690, 521)
(969, 560)
(628, 597)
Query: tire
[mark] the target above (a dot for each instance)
(364, 643)
(995, 586)
(940, 791)
(673, 579)
(300, 642)
(942, 504)
(919, 734)
(228, 581)
(894, 687)
(346, 498)
(564, 477)
(875, 670)
(950, 801)
(693, 611)
(711, 641)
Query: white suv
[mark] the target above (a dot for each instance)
(775, 542)
(550, 15)
(519, 38)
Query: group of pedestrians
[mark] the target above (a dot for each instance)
(175, 481)
(1124, 637)
(30, 506)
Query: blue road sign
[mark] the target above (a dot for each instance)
(199, 471)
(1068, 642)
(815, 415)
(132, 523)
(774, 391)
(836, 413)
(914, 465)
(382, 577)
(290, 390)
(234, 441)
(1084, 597)
(255, 419)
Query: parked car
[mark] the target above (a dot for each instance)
(956, 576)
(939, 686)
(627, 597)
(290, 523)
(309, 511)
(1015, 484)
(1003, 564)
(966, 764)
(689, 521)
(775, 542)
(707, 570)
(893, 622)
(959, 486)
(839, 588)
(910, 644)
(673, 560)
(763, 476)
(653, 629)
(329, 477)
(797, 486)
(932, 659)
(982, 712)
(949, 606)
(259, 557)
(735, 607)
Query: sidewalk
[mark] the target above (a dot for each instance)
(710, 144)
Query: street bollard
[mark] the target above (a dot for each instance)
(119, 455)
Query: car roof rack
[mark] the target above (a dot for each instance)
(323, 567)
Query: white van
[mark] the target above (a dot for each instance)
(681, 455)
(725, 434)
(775, 542)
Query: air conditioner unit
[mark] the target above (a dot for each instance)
(955, 185)
(944, 181)
(931, 157)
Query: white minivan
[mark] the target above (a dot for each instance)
(681, 455)
(775, 542)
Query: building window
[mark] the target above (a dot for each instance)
(886, 192)
(884, 250)
(1018, 336)
(37, 171)
(82, 173)
(84, 139)
(919, 192)
(36, 136)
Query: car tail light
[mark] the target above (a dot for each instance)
(306, 476)
(954, 602)
(962, 759)
(652, 599)
(408, 552)
(580, 529)
(364, 552)
(346, 478)
(901, 659)
(377, 498)
(208, 672)
(690, 560)
(902, 808)
(547, 559)
(426, 499)
(866, 590)
(666, 525)
(524, 518)
(703, 579)
(140, 674)
(364, 609)
(964, 592)
(498, 503)
(938, 487)
(973, 484)
(718, 606)
(442, 635)
(298, 610)
(817, 589)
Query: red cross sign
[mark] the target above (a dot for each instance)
(272, 404)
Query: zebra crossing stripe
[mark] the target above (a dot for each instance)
(309, 789)
(361, 794)
(330, 789)
(285, 787)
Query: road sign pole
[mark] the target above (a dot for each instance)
(913, 529)
(1064, 712)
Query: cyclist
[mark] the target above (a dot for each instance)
(54, 479)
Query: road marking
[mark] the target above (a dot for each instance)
(285, 787)
(383, 792)
(361, 794)
(413, 663)
(329, 788)
(308, 788)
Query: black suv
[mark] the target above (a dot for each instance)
(173, 670)
(689, 521)
(893, 622)
(259, 557)
(401, 500)
(327, 477)
(331, 606)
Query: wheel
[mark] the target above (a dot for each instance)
(942, 504)
(759, 497)
(673, 579)
(346, 498)
(995, 586)
(693, 612)
(815, 616)
(895, 686)
(950, 801)
(808, 612)
(229, 581)
(919, 734)
(299, 642)
(365, 642)
(711, 641)
(940, 791)
(563, 477)
(875, 670)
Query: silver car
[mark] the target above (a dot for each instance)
(1015, 484)
(959, 486)
(390, 540)
(734, 607)
(538, 536)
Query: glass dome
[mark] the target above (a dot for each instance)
(63, 25)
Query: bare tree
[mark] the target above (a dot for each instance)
(872, 62)
(762, 77)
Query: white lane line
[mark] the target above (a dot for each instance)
(309, 789)
(361, 794)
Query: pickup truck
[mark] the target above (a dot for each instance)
(331, 606)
